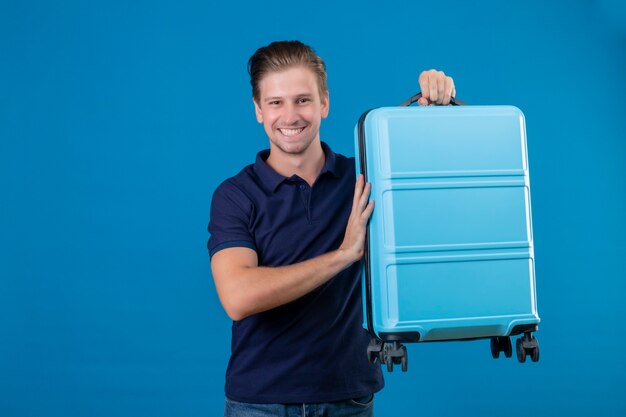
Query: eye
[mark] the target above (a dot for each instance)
(303, 100)
(274, 102)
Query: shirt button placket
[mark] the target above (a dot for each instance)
(306, 199)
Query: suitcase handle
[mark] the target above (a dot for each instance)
(453, 101)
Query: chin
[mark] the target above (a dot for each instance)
(293, 148)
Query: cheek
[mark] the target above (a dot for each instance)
(268, 123)
(318, 116)
(267, 119)
(272, 116)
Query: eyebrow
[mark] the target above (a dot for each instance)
(281, 98)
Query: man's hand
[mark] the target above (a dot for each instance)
(353, 245)
(437, 88)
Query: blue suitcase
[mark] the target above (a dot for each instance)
(449, 251)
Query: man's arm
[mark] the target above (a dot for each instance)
(245, 288)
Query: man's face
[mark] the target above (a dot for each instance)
(291, 109)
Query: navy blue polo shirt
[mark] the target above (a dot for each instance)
(312, 349)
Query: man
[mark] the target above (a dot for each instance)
(287, 234)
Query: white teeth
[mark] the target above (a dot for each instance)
(291, 132)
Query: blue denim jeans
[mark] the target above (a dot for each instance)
(358, 407)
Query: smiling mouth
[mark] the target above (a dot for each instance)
(291, 132)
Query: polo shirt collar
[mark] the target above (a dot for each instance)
(331, 161)
(273, 179)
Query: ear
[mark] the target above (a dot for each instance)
(325, 105)
(257, 111)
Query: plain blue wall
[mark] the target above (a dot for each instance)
(119, 119)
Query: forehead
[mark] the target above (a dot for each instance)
(293, 81)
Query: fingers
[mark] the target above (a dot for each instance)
(358, 192)
(368, 211)
(360, 202)
(364, 197)
(432, 88)
(448, 87)
(436, 87)
(428, 84)
(424, 88)
(441, 85)
(354, 238)
(425, 81)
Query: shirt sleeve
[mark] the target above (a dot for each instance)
(230, 219)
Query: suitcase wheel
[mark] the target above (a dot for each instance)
(389, 362)
(374, 351)
(521, 352)
(534, 356)
(527, 345)
(388, 353)
(501, 344)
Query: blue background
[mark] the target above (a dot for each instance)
(119, 119)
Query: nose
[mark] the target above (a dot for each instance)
(290, 114)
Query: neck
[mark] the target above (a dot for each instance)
(306, 165)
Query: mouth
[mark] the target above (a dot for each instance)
(291, 132)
